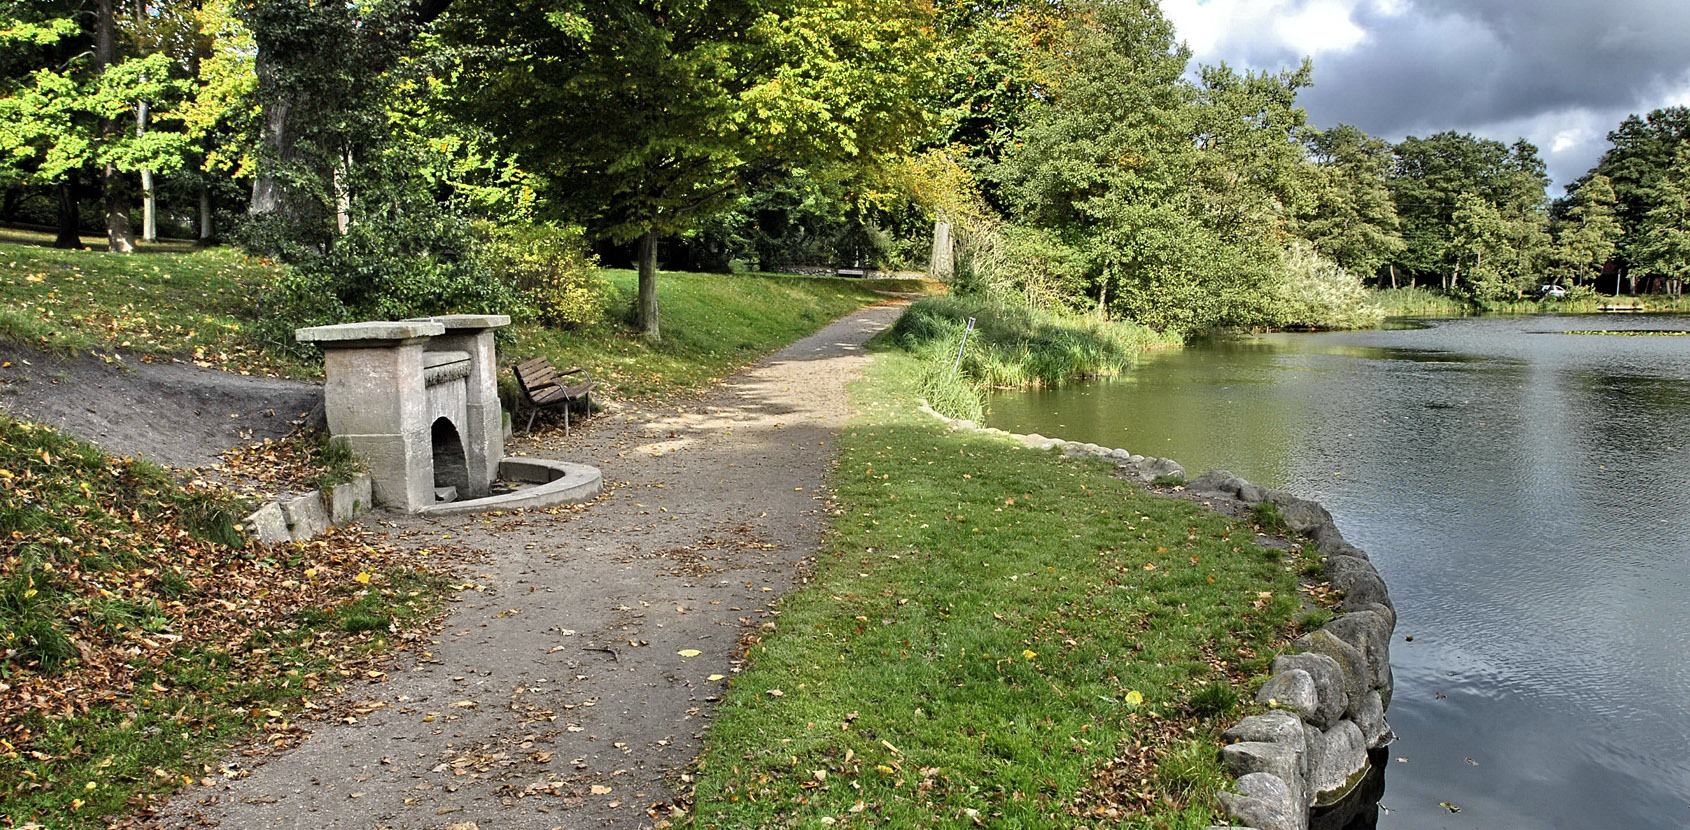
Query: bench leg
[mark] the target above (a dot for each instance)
(566, 419)
(532, 411)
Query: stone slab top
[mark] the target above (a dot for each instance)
(348, 333)
(457, 322)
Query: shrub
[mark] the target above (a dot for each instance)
(390, 266)
(1315, 292)
(550, 271)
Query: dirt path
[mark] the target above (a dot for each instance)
(555, 696)
(176, 414)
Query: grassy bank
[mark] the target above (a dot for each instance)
(1417, 301)
(138, 641)
(994, 636)
(1011, 347)
(200, 304)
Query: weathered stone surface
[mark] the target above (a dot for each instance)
(964, 424)
(1272, 728)
(1120, 454)
(1369, 716)
(1328, 683)
(1341, 764)
(472, 322)
(1251, 494)
(350, 500)
(1215, 483)
(268, 525)
(1385, 613)
(1282, 728)
(1327, 536)
(1303, 516)
(1293, 690)
(1279, 760)
(1387, 688)
(1370, 633)
(1358, 580)
(1265, 802)
(369, 331)
(306, 517)
(1351, 661)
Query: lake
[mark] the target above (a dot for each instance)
(1526, 495)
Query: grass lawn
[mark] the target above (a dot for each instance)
(202, 305)
(995, 636)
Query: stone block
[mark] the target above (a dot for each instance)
(1369, 716)
(1370, 633)
(1265, 802)
(1282, 728)
(267, 525)
(1251, 494)
(306, 517)
(1328, 683)
(1279, 760)
(1358, 678)
(367, 332)
(1340, 765)
(1358, 580)
(1292, 690)
(350, 500)
(390, 460)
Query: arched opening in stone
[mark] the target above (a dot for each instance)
(451, 465)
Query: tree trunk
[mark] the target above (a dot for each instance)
(149, 198)
(943, 262)
(120, 237)
(208, 228)
(70, 219)
(646, 308)
(1393, 275)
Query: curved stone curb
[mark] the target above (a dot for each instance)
(1329, 696)
(556, 482)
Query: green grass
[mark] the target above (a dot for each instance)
(1011, 347)
(168, 299)
(178, 301)
(711, 324)
(986, 629)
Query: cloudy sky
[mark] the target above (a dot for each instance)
(1561, 73)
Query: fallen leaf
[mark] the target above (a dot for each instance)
(689, 652)
(1134, 697)
(600, 789)
(713, 678)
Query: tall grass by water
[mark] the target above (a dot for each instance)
(1011, 347)
(1414, 300)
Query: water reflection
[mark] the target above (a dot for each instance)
(1523, 491)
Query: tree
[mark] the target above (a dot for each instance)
(1352, 221)
(324, 74)
(1665, 246)
(1589, 232)
(57, 121)
(1642, 157)
(647, 115)
(1428, 180)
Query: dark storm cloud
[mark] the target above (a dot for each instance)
(1561, 73)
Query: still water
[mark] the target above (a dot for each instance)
(1526, 495)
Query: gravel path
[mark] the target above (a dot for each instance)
(555, 696)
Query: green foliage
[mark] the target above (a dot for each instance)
(413, 260)
(550, 270)
(1266, 516)
(1010, 346)
(1352, 220)
(1473, 212)
(1313, 618)
(1314, 292)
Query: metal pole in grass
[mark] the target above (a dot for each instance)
(964, 345)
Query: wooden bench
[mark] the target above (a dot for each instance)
(544, 387)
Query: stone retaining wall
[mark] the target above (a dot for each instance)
(1328, 694)
(304, 517)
